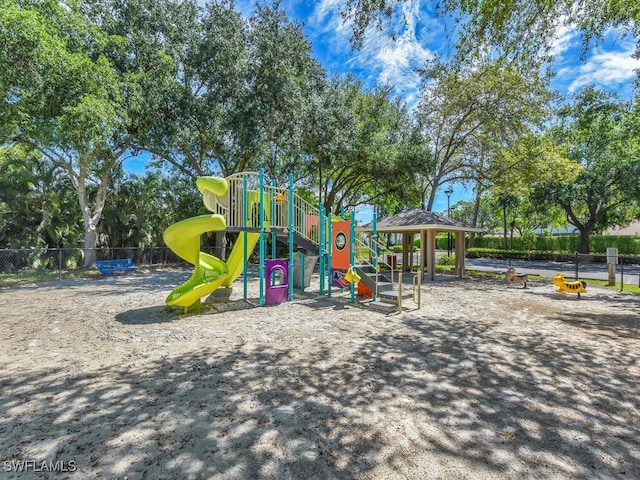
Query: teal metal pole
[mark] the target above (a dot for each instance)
(321, 248)
(291, 260)
(244, 234)
(352, 253)
(272, 221)
(329, 250)
(374, 248)
(304, 232)
(262, 238)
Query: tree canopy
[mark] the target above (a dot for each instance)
(522, 30)
(63, 97)
(208, 91)
(468, 114)
(599, 134)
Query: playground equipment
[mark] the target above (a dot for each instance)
(576, 286)
(371, 257)
(277, 288)
(245, 204)
(511, 276)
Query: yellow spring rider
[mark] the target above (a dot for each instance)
(576, 286)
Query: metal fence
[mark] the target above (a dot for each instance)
(625, 270)
(65, 260)
(61, 262)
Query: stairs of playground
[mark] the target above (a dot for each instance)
(302, 244)
(387, 298)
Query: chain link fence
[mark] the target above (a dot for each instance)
(62, 261)
(629, 272)
(624, 271)
(34, 263)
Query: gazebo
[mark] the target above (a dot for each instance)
(426, 224)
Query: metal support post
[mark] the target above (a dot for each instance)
(244, 236)
(291, 260)
(329, 250)
(262, 239)
(321, 250)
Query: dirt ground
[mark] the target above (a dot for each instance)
(485, 381)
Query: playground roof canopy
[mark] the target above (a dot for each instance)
(417, 220)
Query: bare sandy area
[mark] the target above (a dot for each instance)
(486, 381)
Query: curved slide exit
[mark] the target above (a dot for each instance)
(183, 238)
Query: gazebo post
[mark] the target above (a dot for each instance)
(405, 251)
(423, 252)
(412, 262)
(431, 255)
(460, 253)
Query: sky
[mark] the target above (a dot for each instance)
(382, 60)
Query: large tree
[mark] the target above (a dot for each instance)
(600, 135)
(523, 30)
(61, 95)
(354, 145)
(468, 113)
(77, 92)
(241, 90)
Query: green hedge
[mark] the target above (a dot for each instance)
(626, 244)
(522, 255)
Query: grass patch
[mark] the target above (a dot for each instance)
(618, 286)
(601, 283)
(36, 276)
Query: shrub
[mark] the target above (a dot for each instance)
(626, 244)
(446, 260)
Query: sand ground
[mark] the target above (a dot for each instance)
(485, 381)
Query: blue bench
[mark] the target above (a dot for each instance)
(111, 266)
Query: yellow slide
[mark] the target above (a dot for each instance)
(235, 262)
(183, 238)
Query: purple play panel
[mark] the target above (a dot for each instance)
(277, 280)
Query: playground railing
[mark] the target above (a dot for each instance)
(245, 187)
(231, 205)
(306, 220)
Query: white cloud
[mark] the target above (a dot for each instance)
(606, 69)
(385, 57)
(565, 39)
(326, 8)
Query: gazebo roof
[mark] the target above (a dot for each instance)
(416, 220)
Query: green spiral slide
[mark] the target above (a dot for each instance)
(183, 238)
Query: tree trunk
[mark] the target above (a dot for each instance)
(511, 229)
(504, 225)
(584, 240)
(431, 200)
(220, 249)
(90, 219)
(90, 233)
(90, 240)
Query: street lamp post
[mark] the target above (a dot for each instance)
(448, 192)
